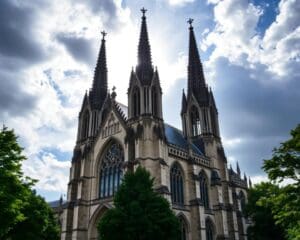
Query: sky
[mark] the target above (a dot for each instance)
(250, 50)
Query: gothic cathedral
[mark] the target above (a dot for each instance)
(189, 166)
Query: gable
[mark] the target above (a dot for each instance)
(111, 126)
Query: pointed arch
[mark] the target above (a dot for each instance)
(94, 220)
(242, 200)
(154, 102)
(209, 229)
(85, 125)
(111, 169)
(184, 226)
(195, 121)
(203, 184)
(136, 102)
(177, 187)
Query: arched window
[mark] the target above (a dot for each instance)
(183, 228)
(111, 170)
(195, 121)
(176, 179)
(154, 101)
(136, 102)
(203, 190)
(85, 124)
(209, 229)
(243, 201)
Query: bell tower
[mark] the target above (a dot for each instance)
(144, 92)
(92, 110)
(198, 111)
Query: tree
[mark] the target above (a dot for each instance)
(260, 211)
(19, 205)
(284, 166)
(139, 212)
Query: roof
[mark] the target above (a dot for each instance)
(55, 204)
(175, 136)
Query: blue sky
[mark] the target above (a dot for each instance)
(250, 50)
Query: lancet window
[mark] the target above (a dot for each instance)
(209, 229)
(154, 102)
(176, 179)
(195, 121)
(85, 125)
(136, 102)
(203, 190)
(183, 229)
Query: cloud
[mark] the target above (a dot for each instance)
(14, 101)
(17, 42)
(79, 47)
(179, 2)
(255, 78)
(52, 174)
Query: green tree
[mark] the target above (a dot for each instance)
(139, 212)
(19, 205)
(284, 166)
(260, 211)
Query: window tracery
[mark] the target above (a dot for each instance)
(176, 179)
(111, 170)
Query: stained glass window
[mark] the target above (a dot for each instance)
(111, 170)
(176, 179)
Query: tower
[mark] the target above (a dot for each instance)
(199, 113)
(144, 92)
(93, 106)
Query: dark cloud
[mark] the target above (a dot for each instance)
(103, 6)
(80, 48)
(14, 101)
(260, 113)
(17, 41)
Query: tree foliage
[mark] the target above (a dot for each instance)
(23, 214)
(279, 204)
(260, 210)
(139, 212)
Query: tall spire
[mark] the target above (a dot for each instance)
(99, 88)
(144, 68)
(195, 71)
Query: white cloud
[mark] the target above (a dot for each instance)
(179, 2)
(235, 37)
(52, 174)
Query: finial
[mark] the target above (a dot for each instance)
(113, 94)
(143, 10)
(190, 21)
(103, 34)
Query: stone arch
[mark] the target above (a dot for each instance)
(109, 142)
(136, 102)
(177, 185)
(195, 121)
(204, 189)
(242, 198)
(210, 229)
(184, 226)
(94, 220)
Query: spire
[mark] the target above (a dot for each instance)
(195, 71)
(144, 68)
(99, 88)
(183, 103)
(238, 169)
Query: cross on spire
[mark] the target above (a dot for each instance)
(190, 21)
(103, 33)
(143, 10)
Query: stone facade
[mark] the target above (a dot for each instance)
(207, 197)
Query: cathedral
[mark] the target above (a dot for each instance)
(189, 166)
